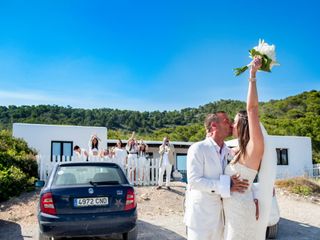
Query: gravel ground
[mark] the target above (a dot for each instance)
(160, 216)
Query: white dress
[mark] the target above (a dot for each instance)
(239, 209)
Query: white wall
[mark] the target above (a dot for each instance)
(299, 155)
(39, 136)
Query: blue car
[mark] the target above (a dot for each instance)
(87, 199)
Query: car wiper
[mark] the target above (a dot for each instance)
(93, 183)
(104, 183)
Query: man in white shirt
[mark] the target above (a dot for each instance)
(80, 154)
(166, 151)
(207, 184)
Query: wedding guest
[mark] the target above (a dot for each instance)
(106, 155)
(132, 149)
(94, 148)
(120, 155)
(143, 162)
(80, 153)
(166, 151)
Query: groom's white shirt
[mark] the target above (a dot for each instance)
(206, 186)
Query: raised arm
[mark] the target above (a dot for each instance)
(255, 145)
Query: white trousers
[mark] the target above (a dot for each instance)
(166, 168)
(132, 164)
(205, 234)
(141, 166)
(132, 161)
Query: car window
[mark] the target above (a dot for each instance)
(79, 175)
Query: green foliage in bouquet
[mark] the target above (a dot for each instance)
(266, 63)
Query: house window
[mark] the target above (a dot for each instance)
(181, 160)
(282, 156)
(61, 150)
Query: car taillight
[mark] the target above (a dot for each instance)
(130, 200)
(47, 205)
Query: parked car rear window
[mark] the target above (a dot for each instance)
(79, 175)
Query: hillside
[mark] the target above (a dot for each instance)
(296, 115)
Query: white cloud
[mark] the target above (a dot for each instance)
(29, 96)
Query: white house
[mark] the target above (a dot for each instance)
(294, 154)
(57, 140)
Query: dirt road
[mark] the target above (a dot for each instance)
(160, 216)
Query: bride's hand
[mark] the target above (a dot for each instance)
(255, 65)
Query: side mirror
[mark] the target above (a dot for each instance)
(39, 183)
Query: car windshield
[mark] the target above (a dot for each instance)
(88, 174)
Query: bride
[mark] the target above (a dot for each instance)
(240, 210)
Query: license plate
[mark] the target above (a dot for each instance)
(87, 202)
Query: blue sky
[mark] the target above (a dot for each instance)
(152, 55)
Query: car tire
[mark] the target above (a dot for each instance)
(41, 236)
(132, 235)
(272, 232)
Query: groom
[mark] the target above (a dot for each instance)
(207, 184)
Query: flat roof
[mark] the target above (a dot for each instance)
(149, 142)
(53, 125)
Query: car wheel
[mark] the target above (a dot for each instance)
(272, 231)
(132, 235)
(41, 236)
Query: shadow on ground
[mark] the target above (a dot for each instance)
(290, 230)
(12, 229)
(149, 231)
(146, 231)
(177, 192)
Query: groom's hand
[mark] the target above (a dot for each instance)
(256, 202)
(238, 185)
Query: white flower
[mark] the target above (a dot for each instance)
(269, 50)
(266, 52)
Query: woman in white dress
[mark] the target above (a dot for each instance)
(106, 155)
(120, 155)
(132, 149)
(241, 209)
(143, 163)
(94, 148)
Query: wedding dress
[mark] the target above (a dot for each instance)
(239, 209)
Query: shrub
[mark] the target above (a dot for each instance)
(18, 166)
(12, 182)
(302, 190)
(302, 186)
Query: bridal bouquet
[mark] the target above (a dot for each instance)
(267, 54)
